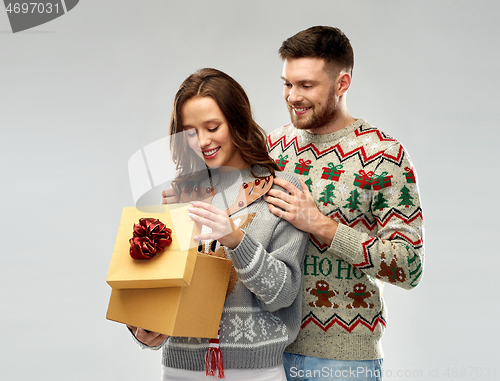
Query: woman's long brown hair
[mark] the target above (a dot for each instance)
(247, 136)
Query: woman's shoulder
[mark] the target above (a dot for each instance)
(288, 177)
(261, 171)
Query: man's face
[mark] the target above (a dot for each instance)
(309, 93)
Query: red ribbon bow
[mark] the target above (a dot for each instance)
(150, 236)
(304, 163)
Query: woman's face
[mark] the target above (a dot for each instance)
(208, 134)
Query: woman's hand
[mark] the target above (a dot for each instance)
(151, 339)
(222, 226)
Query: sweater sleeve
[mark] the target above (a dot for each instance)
(395, 253)
(273, 275)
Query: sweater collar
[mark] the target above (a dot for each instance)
(331, 137)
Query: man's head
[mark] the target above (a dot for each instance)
(325, 42)
(317, 71)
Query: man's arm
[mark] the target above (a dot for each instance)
(394, 253)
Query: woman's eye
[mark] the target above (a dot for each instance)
(213, 129)
(191, 133)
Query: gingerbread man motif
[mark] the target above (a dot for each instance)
(323, 294)
(392, 272)
(359, 294)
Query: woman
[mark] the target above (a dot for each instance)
(261, 315)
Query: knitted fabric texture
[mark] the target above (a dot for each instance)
(261, 314)
(363, 179)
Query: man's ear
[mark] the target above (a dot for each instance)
(343, 83)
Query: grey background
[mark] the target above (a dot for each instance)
(81, 94)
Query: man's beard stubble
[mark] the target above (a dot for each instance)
(319, 118)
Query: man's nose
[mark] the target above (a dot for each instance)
(294, 95)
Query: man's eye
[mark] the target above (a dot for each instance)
(287, 84)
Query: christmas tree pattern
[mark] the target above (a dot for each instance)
(353, 201)
(328, 195)
(309, 183)
(380, 202)
(405, 197)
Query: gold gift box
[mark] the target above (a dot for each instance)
(179, 292)
(172, 267)
(192, 311)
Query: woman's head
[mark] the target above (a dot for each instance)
(208, 134)
(210, 95)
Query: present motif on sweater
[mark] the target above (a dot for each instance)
(281, 161)
(410, 176)
(303, 167)
(332, 172)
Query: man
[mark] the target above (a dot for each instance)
(359, 202)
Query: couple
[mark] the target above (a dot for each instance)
(336, 216)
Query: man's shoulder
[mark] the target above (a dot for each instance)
(373, 137)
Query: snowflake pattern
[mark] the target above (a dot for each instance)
(352, 143)
(280, 327)
(243, 328)
(263, 328)
(390, 191)
(342, 188)
(270, 283)
(273, 263)
(366, 140)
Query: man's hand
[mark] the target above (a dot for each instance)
(152, 339)
(168, 197)
(300, 210)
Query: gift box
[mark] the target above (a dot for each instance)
(303, 167)
(332, 172)
(381, 181)
(281, 161)
(173, 266)
(191, 311)
(410, 175)
(363, 180)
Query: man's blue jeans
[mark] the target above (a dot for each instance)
(305, 368)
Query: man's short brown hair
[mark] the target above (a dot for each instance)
(325, 42)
